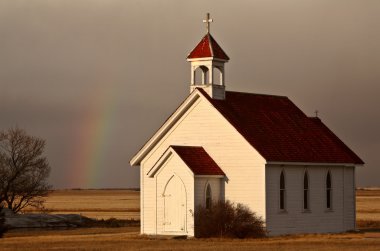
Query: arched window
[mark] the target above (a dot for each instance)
(328, 191)
(200, 75)
(306, 191)
(217, 76)
(282, 190)
(208, 196)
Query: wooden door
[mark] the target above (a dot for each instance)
(175, 206)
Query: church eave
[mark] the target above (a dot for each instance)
(283, 163)
(207, 59)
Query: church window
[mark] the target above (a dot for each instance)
(201, 75)
(306, 191)
(328, 191)
(282, 191)
(208, 197)
(217, 76)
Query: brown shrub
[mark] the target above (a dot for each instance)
(225, 219)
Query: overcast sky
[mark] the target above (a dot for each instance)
(97, 78)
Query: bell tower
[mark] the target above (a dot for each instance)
(207, 65)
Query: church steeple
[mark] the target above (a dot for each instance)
(207, 65)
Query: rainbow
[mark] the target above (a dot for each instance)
(89, 147)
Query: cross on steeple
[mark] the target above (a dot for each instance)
(316, 113)
(208, 20)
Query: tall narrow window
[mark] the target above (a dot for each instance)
(282, 191)
(306, 191)
(208, 196)
(328, 191)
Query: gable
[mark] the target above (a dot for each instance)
(168, 124)
(191, 103)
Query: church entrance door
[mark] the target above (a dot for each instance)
(175, 206)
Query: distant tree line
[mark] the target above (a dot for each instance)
(23, 170)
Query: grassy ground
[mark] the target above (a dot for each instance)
(124, 204)
(128, 239)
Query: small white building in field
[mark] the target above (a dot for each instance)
(255, 149)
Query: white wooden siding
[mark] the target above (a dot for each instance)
(202, 125)
(142, 191)
(349, 199)
(318, 219)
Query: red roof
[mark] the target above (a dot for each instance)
(280, 131)
(198, 160)
(208, 47)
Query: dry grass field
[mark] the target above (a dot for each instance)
(124, 204)
(368, 204)
(99, 204)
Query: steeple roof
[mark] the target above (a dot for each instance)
(207, 48)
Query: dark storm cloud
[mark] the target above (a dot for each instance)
(56, 55)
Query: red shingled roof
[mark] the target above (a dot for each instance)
(280, 131)
(198, 160)
(208, 47)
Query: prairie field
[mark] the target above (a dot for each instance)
(124, 204)
(98, 204)
(368, 204)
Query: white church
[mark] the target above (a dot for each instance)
(259, 150)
